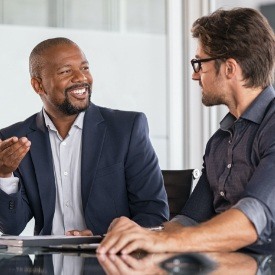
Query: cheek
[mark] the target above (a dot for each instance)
(55, 94)
(57, 87)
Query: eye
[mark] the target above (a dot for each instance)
(65, 71)
(85, 68)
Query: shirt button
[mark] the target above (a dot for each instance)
(229, 165)
(222, 193)
(67, 203)
(64, 143)
(230, 141)
(66, 173)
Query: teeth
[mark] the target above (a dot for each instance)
(80, 91)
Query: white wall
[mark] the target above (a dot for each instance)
(242, 3)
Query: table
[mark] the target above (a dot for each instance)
(75, 262)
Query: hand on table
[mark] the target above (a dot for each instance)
(125, 236)
(12, 151)
(75, 232)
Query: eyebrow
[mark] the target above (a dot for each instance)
(69, 65)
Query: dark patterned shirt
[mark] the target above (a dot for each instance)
(239, 169)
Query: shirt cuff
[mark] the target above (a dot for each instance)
(254, 211)
(9, 185)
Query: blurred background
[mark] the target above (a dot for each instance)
(139, 53)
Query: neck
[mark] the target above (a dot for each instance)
(242, 99)
(63, 123)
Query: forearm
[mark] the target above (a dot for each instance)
(228, 231)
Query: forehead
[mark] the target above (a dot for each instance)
(63, 54)
(199, 50)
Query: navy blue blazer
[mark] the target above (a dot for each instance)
(120, 175)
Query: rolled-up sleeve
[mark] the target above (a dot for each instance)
(257, 213)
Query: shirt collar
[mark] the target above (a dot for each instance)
(77, 123)
(255, 112)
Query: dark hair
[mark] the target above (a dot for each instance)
(36, 60)
(243, 34)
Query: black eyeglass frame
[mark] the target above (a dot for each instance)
(199, 61)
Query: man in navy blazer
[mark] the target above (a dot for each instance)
(109, 170)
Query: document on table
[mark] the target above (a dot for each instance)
(48, 240)
(86, 246)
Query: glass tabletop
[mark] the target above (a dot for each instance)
(35, 260)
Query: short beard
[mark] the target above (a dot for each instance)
(211, 102)
(68, 109)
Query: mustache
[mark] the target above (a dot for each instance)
(78, 86)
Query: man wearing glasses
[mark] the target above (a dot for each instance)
(232, 206)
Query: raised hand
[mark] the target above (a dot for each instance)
(12, 151)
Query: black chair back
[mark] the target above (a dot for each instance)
(178, 185)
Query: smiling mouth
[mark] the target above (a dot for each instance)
(79, 91)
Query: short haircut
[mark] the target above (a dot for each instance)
(243, 34)
(36, 56)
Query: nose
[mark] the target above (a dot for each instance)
(196, 76)
(79, 76)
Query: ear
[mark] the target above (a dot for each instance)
(230, 67)
(36, 83)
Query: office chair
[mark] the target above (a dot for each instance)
(178, 185)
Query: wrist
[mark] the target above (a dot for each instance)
(5, 175)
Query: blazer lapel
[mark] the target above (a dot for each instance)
(41, 155)
(94, 130)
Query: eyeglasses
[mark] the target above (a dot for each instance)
(196, 63)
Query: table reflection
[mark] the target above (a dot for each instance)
(87, 262)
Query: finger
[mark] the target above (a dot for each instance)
(121, 266)
(7, 143)
(115, 240)
(13, 155)
(75, 232)
(86, 232)
(17, 152)
(132, 262)
(121, 224)
(134, 245)
(69, 233)
(122, 227)
(148, 241)
(14, 146)
(112, 224)
(108, 265)
(108, 242)
(122, 242)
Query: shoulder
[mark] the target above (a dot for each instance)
(120, 116)
(18, 129)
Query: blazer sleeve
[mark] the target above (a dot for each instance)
(15, 212)
(147, 196)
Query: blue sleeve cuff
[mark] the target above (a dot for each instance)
(255, 212)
